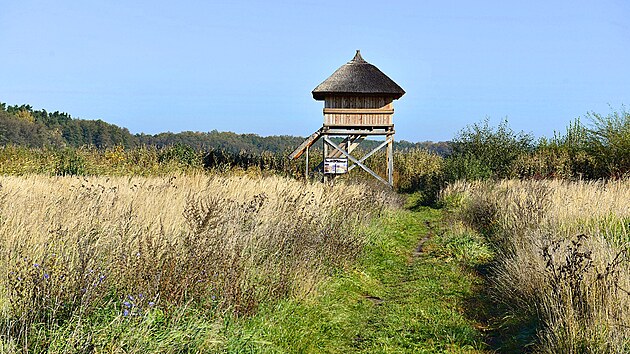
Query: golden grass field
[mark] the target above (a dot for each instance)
(73, 245)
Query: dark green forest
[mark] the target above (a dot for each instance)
(24, 126)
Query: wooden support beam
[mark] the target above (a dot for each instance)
(350, 143)
(353, 159)
(342, 132)
(325, 150)
(306, 144)
(344, 145)
(354, 135)
(356, 141)
(390, 159)
(370, 153)
(306, 169)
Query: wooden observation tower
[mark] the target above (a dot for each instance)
(358, 102)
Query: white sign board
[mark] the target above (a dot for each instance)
(335, 166)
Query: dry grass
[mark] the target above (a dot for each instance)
(563, 256)
(70, 246)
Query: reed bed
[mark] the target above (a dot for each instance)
(562, 257)
(73, 246)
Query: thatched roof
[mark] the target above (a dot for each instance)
(358, 77)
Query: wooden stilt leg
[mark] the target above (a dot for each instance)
(306, 168)
(390, 160)
(325, 155)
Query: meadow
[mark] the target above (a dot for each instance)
(77, 251)
(561, 269)
(504, 245)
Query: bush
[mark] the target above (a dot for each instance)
(466, 167)
(481, 151)
(182, 154)
(556, 162)
(69, 162)
(609, 142)
(599, 151)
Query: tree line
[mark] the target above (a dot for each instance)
(22, 125)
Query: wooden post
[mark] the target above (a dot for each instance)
(390, 160)
(325, 156)
(306, 168)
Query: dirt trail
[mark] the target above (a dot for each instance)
(429, 234)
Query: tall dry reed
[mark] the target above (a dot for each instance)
(73, 245)
(562, 256)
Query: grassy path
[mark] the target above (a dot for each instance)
(407, 295)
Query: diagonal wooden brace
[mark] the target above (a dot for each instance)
(370, 153)
(350, 143)
(357, 162)
(306, 144)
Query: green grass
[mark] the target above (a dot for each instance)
(395, 300)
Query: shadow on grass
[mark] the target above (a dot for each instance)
(418, 200)
(504, 331)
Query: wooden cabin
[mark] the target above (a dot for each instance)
(358, 95)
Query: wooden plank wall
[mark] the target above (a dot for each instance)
(378, 111)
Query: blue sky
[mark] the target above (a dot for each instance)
(250, 66)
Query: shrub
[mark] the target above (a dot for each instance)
(599, 151)
(481, 151)
(182, 154)
(609, 142)
(70, 162)
(466, 167)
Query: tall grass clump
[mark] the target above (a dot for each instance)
(81, 249)
(565, 156)
(595, 149)
(562, 257)
(419, 171)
